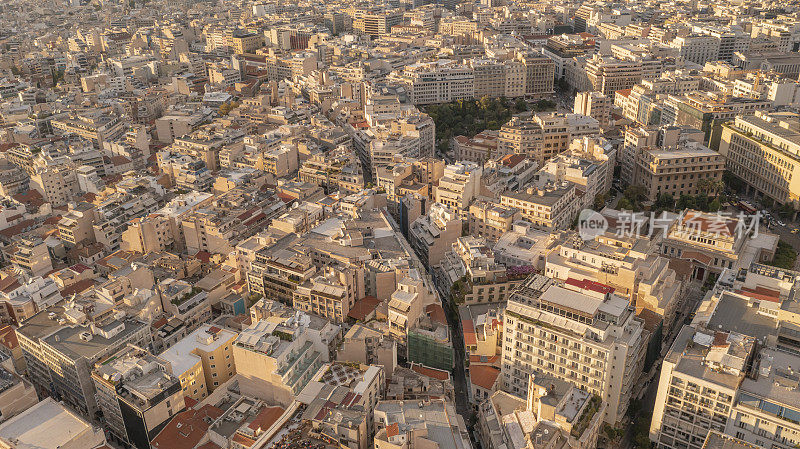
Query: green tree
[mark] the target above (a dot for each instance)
(624, 204)
(600, 201)
(521, 105)
(714, 206)
(665, 201)
(685, 202)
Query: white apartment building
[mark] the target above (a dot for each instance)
(459, 185)
(591, 340)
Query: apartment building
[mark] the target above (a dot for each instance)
(555, 413)
(284, 354)
(690, 402)
(764, 151)
(542, 136)
(189, 304)
(549, 207)
(203, 360)
(472, 263)
(97, 128)
(626, 266)
(32, 256)
(595, 105)
(431, 235)
(402, 423)
(332, 293)
(50, 425)
(76, 225)
(136, 394)
(407, 303)
(589, 339)
(277, 275)
(458, 186)
(351, 421)
(688, 169)
(490, 220)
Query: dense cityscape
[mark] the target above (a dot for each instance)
(399, 224)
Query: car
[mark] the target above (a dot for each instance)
(795, 230)
(781, 224)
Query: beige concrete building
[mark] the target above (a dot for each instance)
(542, 136)
(686, 170)
(458, 186)
(491, 220)
(551, 207)
(595, 105)
(331, 293)
(203, 360)
(764, 151)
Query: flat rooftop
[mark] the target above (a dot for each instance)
(46, 425)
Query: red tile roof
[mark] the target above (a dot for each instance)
(484, 376)
(363, 307)
(436, 312)
(78, 287)
(392, 430)
(8, 337)
(588, 284)
(761, 293)
(265, 418)
(469, 333)
(433, 373)
(187, 428)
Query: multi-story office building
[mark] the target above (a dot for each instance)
(764, 151)
(375, 22)
(700, 49)
(440, 81)
(589, 339)
(61, 345)
(137, 394)
(539, 74)
(688, 169)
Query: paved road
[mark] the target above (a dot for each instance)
(463, 407)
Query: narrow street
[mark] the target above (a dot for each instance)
(463, 407)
